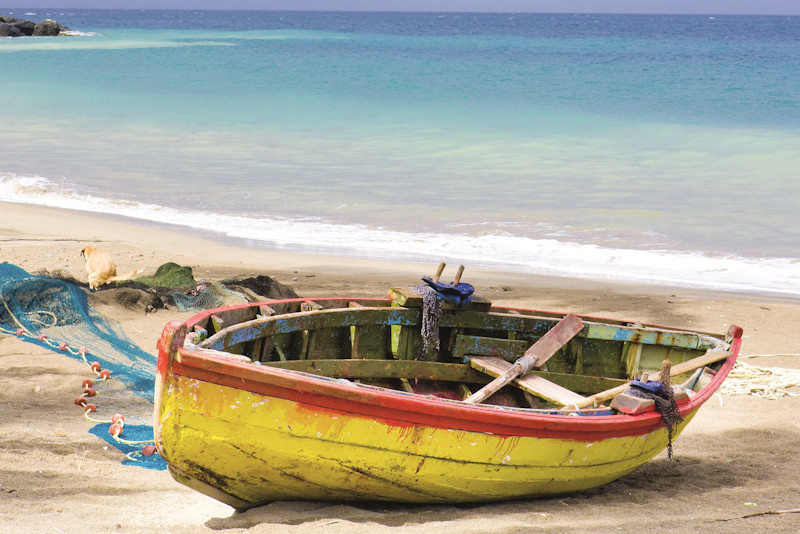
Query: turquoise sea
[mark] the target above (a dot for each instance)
(657, 149)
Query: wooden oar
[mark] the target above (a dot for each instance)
(708, 358)
(535, 356)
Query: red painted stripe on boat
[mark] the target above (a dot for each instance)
(401, 409)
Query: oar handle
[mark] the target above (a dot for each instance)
(457, 279)
(439, 272)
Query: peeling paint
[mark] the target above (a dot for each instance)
(419, 466)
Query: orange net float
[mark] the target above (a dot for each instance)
(21, 332)
(118, 418)
(87, 383)
(90, 392)
(149, 450)
(115, 429)
(95, 366)
(42, 337)
(89, 408)
(83, 351)
(63, 346)
(80, 401)
(105, 373)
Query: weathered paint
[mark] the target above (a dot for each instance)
(686, 340)
(260, 449)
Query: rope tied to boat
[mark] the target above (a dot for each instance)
(431, 312)
(660, 392)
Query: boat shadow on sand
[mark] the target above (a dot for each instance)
(708, 468)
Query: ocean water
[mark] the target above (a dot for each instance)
(656, 149)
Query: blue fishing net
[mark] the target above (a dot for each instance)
(132, 446)
(56, 315)
(44, 306)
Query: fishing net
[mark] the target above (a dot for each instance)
(55, 311)
(56, 314)
(206, 295)
(173, 287)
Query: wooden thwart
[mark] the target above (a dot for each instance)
(535, 356)
(533, 384)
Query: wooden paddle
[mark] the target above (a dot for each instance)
(535, 356)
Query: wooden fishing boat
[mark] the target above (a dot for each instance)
(352, 399)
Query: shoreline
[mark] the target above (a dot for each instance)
(27, 225)
(54, 474)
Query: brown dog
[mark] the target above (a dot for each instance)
(101, 268)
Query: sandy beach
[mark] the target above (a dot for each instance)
(735, 465)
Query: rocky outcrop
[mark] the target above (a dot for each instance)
(14, 27)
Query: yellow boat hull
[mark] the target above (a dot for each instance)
(248, 433)
(257, 449)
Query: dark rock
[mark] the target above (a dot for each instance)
(16, 27)
(9, 30)
(49, 28)
(25, 26)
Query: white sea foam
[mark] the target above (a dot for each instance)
(779, 276)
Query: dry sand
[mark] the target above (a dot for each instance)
(739, 456)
